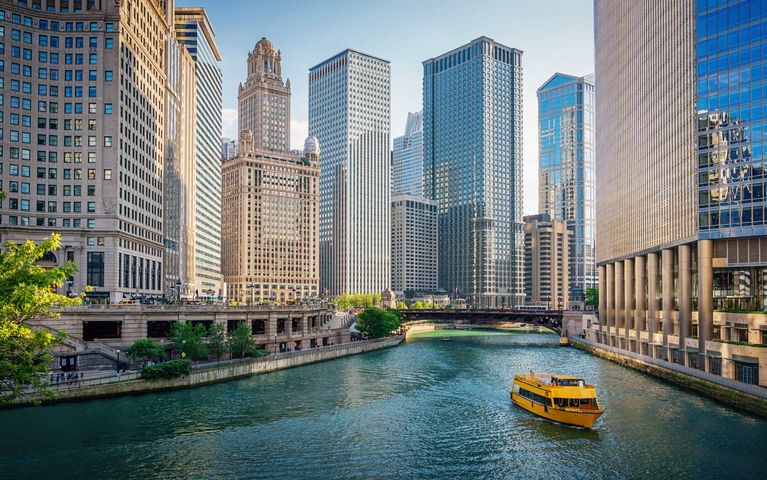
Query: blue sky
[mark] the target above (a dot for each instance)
(554, 35)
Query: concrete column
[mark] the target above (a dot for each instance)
(639, 297)
(705, 294)
(667, 289)
(602, 301)
(652, 297)
(628, 298)
(609, 294)
(685, 295)
(620, 303)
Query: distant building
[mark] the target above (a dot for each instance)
(195, 32)
(413, 244)
(407, 159)
(546, 261)
(271, 195)
(228, 148)
(271, 223)
(349, 112)
(566, 170)
(472, 137)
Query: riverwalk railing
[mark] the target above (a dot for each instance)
(114, 377)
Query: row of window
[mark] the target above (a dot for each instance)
(55, 25)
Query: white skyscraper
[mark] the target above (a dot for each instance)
(349, 113)
(407, 159)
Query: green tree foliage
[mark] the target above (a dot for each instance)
(357, 300)
(165, 370)
(401, 305)
(241, 342)
(377, 323)
(592, 297)
(217, 340)
(421, 305)
(187, 338)
(28, 292)
(145, 349)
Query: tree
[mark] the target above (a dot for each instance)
(401, 305)
(187, 338)
(145, 349)
(241, 341)
(592, 297)
(28, 292)
(377, 323)
(217, 340)
(343, 301)
(421, 305)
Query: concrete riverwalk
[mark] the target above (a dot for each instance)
(750, 398)
(203, 374)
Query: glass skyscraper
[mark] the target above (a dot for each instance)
(472, 129)
(349, 113)
(681, 232)
(407, 159)
(194, 31)
(566, 170)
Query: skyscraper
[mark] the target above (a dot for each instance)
(195, 32)
(413, 244)
(349, 113)
(270, 195)
(679, 156)
(566, 170)
(264, 99)
(271, 223)
(407, 159)
(472, 130)
(99, 103)
(547, 244)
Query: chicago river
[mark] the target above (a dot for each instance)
(426, 409)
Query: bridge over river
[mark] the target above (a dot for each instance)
(545, 318)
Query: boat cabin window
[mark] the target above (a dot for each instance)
(575, 402)
(567, 382)
(534, 397)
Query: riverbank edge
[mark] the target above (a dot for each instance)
(727, 396)
(210, 375)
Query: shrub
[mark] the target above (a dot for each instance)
(171, 369)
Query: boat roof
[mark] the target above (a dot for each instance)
(566, 377)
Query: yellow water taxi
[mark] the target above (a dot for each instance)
(561, 398)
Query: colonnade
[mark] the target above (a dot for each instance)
(631, 302)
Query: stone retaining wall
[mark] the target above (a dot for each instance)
(754, 402)
(219, 373)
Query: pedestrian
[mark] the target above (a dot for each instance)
(57, 378)
(51, 378)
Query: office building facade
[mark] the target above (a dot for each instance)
(195, 32)
(547, 263)
(349, 113)
(92, 78)
(228, 148)
(413, 245)
(689, 236)
(566, 170)
(271, 223)
(407, 158)
(472, 130)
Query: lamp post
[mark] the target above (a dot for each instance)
(118, 360)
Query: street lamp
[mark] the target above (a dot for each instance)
(118, 359)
